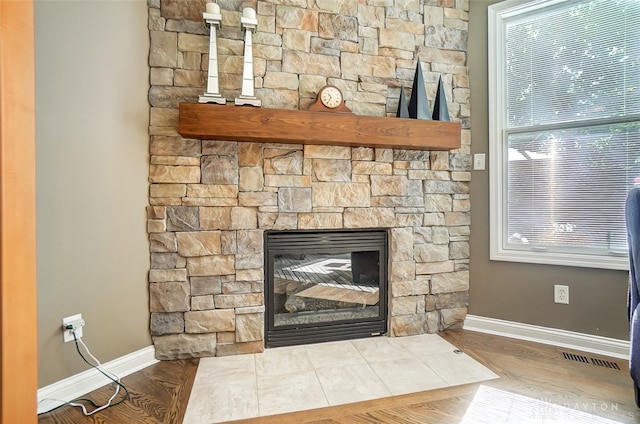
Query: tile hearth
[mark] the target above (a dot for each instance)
(305, 377)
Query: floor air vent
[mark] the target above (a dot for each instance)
(606, 364)
(594, 361)
(574, 357)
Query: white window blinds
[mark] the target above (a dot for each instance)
(569, 131)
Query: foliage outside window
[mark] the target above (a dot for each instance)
(564, 84)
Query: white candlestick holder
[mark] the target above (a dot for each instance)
(213, 18)
(249, 22)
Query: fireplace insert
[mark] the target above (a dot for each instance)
(325, 285)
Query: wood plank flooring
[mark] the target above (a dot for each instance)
(159, 393)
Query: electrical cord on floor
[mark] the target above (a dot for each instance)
(110, 376)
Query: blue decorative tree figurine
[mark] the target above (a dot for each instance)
(419, 104)
(403, 109)
(440, 108)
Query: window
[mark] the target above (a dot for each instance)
(564, 84)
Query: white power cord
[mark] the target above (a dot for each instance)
(108, 374)
(98, 366)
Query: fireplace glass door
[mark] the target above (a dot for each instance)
(325, 285)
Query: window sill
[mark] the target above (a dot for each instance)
(562, 259)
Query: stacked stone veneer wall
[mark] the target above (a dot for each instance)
(210, 201)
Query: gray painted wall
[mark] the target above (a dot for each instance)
(92, 166)
(524, 292)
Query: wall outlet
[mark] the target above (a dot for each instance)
(561, 294)
(76, 323)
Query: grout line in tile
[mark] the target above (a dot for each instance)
(315, 372)
(255, 380)
(324, 392)
(382, 379)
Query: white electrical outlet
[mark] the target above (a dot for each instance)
(76, 323)
(561, 294)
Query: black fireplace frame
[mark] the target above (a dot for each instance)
(333, 241)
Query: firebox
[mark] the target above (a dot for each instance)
(325, 285)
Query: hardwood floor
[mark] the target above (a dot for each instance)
(159, 393)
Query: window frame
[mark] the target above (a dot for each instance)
(498, 15)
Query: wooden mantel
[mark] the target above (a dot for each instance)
(248, 123)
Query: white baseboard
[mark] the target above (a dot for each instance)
(552, 336)
(70, 388)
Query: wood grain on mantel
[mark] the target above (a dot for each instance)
(247, 123)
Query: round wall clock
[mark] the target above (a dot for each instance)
(330, 99)
(330, 96)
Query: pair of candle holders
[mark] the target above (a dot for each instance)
(249, 22)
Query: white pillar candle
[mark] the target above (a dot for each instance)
(248, 12)
(212, 7)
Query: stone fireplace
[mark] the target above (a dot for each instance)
(212, 201)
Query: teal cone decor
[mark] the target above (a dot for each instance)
(419, 104)
(440, 108)
(403, 109)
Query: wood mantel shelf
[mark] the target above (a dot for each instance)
(247, 123)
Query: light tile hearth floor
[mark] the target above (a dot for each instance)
(297, 378)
